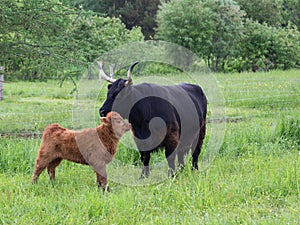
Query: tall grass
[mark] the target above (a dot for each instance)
(17, 155)
(288, 130)
(230, 192)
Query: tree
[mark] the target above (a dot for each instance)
(209, 28)
(291, 12)
(43, 38)
(218, 32)
(267, 11)
(263, 47)
(132, 12)
(277, 13)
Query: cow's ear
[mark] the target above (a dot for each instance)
(105, 120)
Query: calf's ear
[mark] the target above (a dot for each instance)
(105, 120)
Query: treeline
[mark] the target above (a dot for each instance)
(43, 39)
(52, 38)
(239, 35)
(229, 35)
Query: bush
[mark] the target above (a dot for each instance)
(263, 48)
(208, 28)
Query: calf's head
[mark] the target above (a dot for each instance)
(116, 123)
(114, 88)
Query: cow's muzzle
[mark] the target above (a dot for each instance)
(103, 112)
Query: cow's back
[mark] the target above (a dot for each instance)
(198, 97)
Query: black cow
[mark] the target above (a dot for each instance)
(173, 117)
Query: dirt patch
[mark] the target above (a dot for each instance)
(26, 135)
(226, 120)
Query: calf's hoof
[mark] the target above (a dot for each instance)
(34, 180)
(103, 187)
(106, 189)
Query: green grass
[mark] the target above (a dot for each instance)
(247, 190)
(255, 178)
(30, 106)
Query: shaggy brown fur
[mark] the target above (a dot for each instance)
(94, 146)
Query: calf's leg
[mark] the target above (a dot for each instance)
(101, 176)
(51, 168)
(40, 165)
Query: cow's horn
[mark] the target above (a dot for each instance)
(129, 74)
(111, 71)
(102, 73)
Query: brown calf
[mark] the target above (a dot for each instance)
(94, 146)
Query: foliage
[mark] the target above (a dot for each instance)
(291, 12)
(101, 34)
(42, 38)
(268, 11)
(263, 47)
(209, 28)
(278, 13)
(132, 12)
(219, 33)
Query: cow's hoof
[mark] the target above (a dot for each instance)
(143, 176)
(195, 166)
(145, 172)
(180, 167)
(171, 173)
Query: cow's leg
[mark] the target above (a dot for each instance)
(170, 156)
(181, 153)
(145, 158)
(195, 155)
(171, 143)
(198, 145)
(51, 168)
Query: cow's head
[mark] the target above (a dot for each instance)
(114, 88)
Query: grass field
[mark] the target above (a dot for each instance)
(254, 179)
